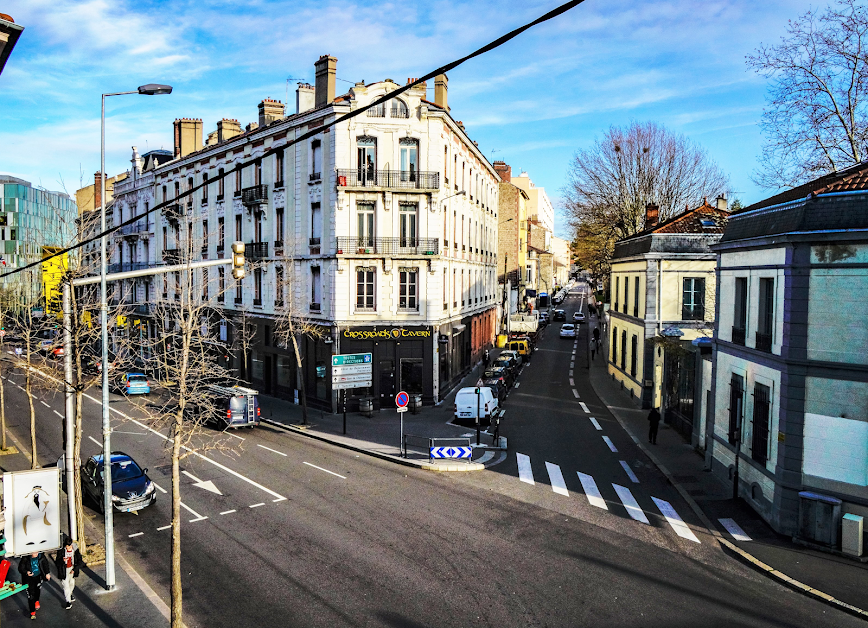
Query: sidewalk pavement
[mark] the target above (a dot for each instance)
(836, 580)
(381, 435)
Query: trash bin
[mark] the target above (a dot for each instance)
(366, 406)
(818, 518)
(415, 403)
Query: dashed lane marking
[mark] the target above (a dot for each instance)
(134, 535)
(95, 440)
(610, 444)
(674, 520)
(59, 414)
(734, 529)
(48, 406)
(571, 372)
(557, 479)
(629, 472)
(525, 474)
(164, 528)
(591, 491)
(228, 512)
(271, 450)
(326, 470)
(576, 393)
(192, 512)
(517, 384)
(572, 382)
(584, 407)
(234, 435)
(596, 424)
(257, 505)
(630, 503)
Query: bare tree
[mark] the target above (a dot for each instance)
(816, 119)
(611, 183)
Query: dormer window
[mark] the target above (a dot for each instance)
(400, 109)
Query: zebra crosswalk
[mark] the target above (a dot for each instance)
(625, 496)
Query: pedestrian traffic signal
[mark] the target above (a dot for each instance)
(238, 260)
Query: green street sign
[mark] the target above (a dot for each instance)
(351, 358)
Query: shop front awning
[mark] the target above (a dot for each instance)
(457, 329)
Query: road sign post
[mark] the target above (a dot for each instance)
(401, 400)
(351, 370)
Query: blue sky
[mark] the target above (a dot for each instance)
(531, 103)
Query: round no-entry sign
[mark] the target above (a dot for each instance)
(402, 399)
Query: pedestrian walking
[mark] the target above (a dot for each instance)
(34, 571)
(653, 425)
(487, 357)
(596, 335)
(68, 562)
(593, 348)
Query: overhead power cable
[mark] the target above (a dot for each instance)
(316, 131)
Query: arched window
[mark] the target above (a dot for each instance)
(400, 109)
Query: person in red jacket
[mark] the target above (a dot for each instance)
(68, 562)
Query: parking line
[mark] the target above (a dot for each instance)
(227, 512)
(271, 450)
(326, 470)
(257, 505)
(136, 534)
(159, 488)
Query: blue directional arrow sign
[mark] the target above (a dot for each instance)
(451, 452)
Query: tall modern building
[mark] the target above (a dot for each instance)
(381, 230)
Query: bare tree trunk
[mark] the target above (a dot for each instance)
(2, 411)
(28, 387)
(76, 457)
(177, 612)
(302, 393)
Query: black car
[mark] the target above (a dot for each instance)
(132, 489)
(508, 362)
(559, 315)
(498, 387)
(499, 372)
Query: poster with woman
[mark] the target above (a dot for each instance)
(32, 502)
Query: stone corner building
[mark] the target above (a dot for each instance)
(790, 383)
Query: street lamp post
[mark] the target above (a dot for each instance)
(147, 90)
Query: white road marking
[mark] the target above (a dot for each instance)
(208, 485)
(488, 455)
(227, 512)
(576, 393)
(164, 528)
(59, 414)
(630, 503)
(629, 472)
(734, 529)
(596, 424)
(95, 440)
(159, 488)
(193, 512)
(584, 407)
(517, 384)
(572, 364)
(610, 444)
(591, 491)
(525, 474)
(271, 450)
(674, 520)
(234, 435)
(257, 505)
(571, 372)
(572, 382)
(279, 499)
(48, 406)
(557, 479)
(326, 470)
(136, 534)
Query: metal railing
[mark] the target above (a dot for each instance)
(172, 256)
(256, 250)
(141, 226)
(397, 112)
(738, 335)
(314, 241)
(255, 194)
(315, 176)
(387, 246)
(122, 267)
(397, 179)
(173, 212)
(763, 342)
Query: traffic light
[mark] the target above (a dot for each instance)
(238, 260)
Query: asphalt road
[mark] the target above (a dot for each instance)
(307, 534)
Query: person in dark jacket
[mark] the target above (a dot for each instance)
(654, 424)
(68, 562)
(34, 571)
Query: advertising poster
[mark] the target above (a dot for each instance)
(32, 501)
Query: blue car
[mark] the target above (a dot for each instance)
(133, 384)
(132, 489)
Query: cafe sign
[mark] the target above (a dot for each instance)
(387, 333)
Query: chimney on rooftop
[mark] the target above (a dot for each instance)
(188, 136)
(503, 170)
(304, 98)
(227, 129)
(97, 190)
(721, 202)
(325, 67)
(441, 87)
(269, 111)
(652, 213)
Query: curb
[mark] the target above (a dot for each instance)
(732, 549)
(427, 466)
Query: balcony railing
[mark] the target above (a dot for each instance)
(173, 212)
(763, 342)
(314, 241)
(256, 250)
(738, 335)
(255, 194)
(395, 179)
(143, 308)
(124, 267)
(387, 246)
(397, 112)
(172, 256)
(315, 176)
(314, 307)
(136, 228)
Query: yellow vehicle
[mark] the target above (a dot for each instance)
(520, 345)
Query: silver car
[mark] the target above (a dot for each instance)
(568, 330)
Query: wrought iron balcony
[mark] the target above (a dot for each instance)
(315, 176)
(172, 256)
(397, 112)
(255, 194)
(738, 335)
(256, 250)
(173, 212)
(143, 308)
(136, 228)
(394, 179)
(764, 342)
(388, 246)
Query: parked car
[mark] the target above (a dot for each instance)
(578, 317)
(522, 345)
(132, 489)
(498, 387)
(560, 315)
(469, 404)
(508, 362)
(132, 383)
(543, 318)
(236, 406)
(514, 352)
(568, 330)
(500, 373)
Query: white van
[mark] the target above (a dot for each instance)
(467, 401)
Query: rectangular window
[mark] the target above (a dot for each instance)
(165, 238)
(408, 298)
(221, 282)
(315, 224)
(365, 288)
(367, 159)
(636, 297)
(204, 239)
(409, 158)
(693, 299)
(257, 172)
(624, 350)
(238, 180)
(445, 289)
(221, 233)
(766, 322)
(365, 214)
(278, 227)
(626, 295)
(238, 231)
(760, 440)
(408, 220)
(239, 292)
(221, 184)
(617, 291)
(739, 318)
(614, 354)
(257, 286)
(205, 188)
(736, 408)
(205, 284)
(634, 350)
(315, 160)
(278, 286)
(278, 169)
(446, 165)
(315, 288)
